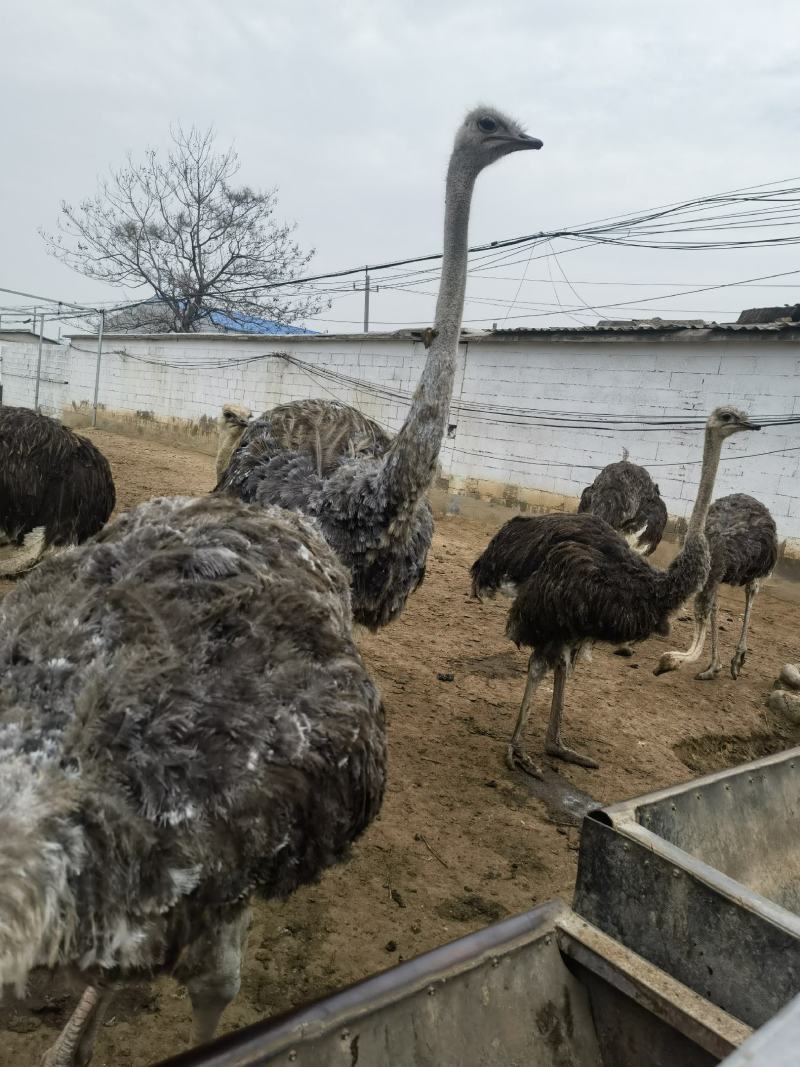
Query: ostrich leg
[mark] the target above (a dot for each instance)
(517, 757)
(750, 591)
(554, 743)
(703, 603)
(212, 972)
(712, 670)
(75, 1044)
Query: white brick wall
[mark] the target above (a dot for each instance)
(193, 376)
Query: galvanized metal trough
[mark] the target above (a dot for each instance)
(543, 988)
(703, 880)
(775, 1045)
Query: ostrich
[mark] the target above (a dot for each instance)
(743, 543)
(370, 501)
(56, 488)
(185, 721)
(628, 499)
(231, 425)
(576, 581)
(327, 430)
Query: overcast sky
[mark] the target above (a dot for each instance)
(349, 107)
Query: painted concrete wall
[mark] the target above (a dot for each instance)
(492, 450)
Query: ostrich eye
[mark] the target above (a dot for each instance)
(487, 125)
(727, 417)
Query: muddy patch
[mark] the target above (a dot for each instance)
(566, 804)
(469, 907)
(508, 664)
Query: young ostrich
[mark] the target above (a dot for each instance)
(628, 499)
(56, 488)
(743, 543)
(184, 721)
(231, 425)
(371, 508)
(576, 581)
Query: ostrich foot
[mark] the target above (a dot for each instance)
(569, 755)
(623, 650)
(518, 759)
(709, 674)
(75, 1043)
(737, 663)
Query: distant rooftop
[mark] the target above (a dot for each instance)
(787, 313)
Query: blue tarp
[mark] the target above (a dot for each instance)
(250, 324)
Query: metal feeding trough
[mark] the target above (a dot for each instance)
(775, 1045)
(703, 880)
(543, 988)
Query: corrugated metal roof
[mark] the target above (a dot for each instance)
(791, 328)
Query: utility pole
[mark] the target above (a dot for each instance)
(38, 365)
(97, 366)
(365, 289)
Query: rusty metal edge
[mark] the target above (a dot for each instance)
(708, 1026)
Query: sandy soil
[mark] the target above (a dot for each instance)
(461, 840)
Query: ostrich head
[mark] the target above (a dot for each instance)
(725, 420)
(487, 135)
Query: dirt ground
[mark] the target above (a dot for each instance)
(461, 840)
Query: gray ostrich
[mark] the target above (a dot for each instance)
(56, 488)
(371, 508)
(743, 543)
(625, 495)
(576, 581)
(185, 721)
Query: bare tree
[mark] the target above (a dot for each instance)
(179, 226)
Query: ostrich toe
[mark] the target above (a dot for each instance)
(569, 755)
(737, 663)
(518, 759)
(709, 674)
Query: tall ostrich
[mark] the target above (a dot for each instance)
(185, 721)
(743, 543)
(625, 495)
(56, 488)
(576, 581)
(231, 425)
(372, 508)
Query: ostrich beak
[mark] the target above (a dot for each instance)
(524, 140)
(752, 425)
(516, 142)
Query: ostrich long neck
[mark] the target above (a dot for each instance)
(410, 462)
(708, 473)
(689, 570)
